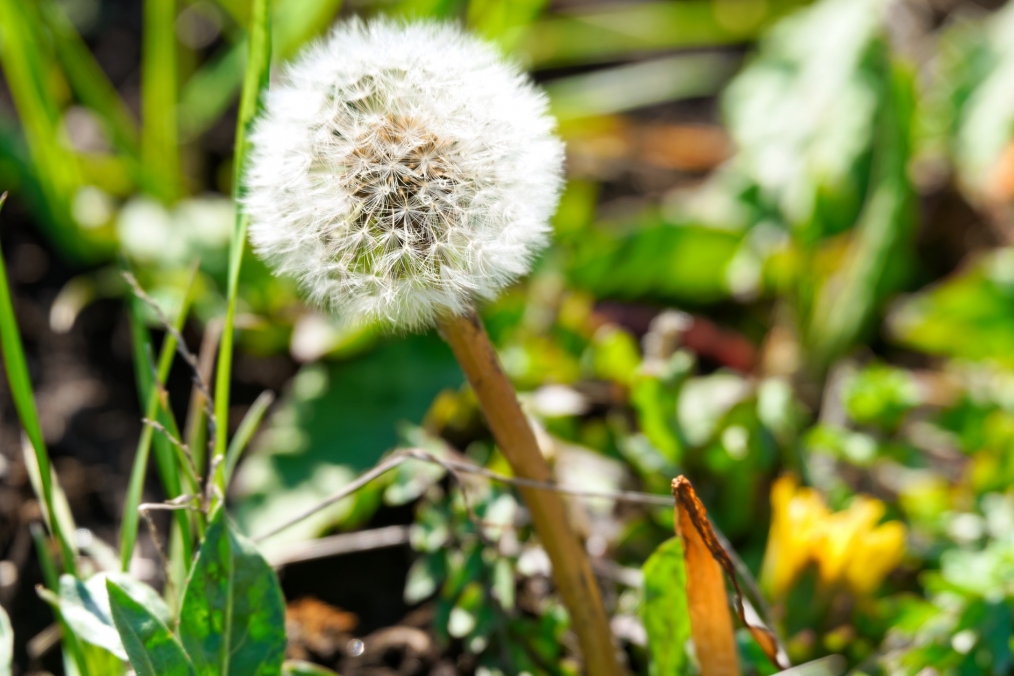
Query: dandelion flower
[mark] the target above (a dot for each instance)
(401, 171)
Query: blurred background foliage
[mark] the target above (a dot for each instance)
(784, 250)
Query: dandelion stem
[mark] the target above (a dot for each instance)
(571, 568)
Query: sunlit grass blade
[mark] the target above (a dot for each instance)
(166, 458)
(214, 86)
(616, 90)
(246, 430)
(254, 85)
(24, 401)
(159, 133)
(29, 76)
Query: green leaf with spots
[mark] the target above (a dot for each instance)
(664, 609)
(151, 647)
(232, 622)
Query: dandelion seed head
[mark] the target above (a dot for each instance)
(401, 170)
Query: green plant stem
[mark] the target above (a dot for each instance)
(128, 531)
(51, 578)
(254, 84)
(571, 568)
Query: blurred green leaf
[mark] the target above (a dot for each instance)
(616, 30)
(967, 315)
(232, 621)
(152, 648)
(880, 395)
(664, 609)
(654, 260)
(336, 421)
(985, 120)
(632, 86)
(27, 68)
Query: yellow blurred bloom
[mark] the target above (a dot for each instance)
(848, 547)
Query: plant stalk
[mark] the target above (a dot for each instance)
(571, 568)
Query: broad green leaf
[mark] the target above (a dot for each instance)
(6, 644)
(664, 610)
(152, 648)
(965, 316)
(300, 668)
(232, 622)
(85, 608)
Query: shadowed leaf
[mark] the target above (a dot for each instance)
(152, 648)
(664, 612)
(232, 622)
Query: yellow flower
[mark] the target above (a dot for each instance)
(848, 547)
(796, 516)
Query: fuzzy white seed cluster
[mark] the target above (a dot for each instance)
(400, 171)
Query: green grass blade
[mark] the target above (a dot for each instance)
(24, 401)
(254, 85)
(51, 578)
(207, 94)
(150, 394)
(159, 133)
(251, 421)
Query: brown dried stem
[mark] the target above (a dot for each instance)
(571, 569)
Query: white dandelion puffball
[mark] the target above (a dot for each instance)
(400, 171)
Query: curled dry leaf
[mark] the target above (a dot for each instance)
(710, 619)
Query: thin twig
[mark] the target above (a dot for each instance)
(346, 491)
(636, 497)
(187, 458)
(153, 532)
(206, 362)
(342, 543)
(181, 345)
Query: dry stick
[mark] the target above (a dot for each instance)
(571, 569)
